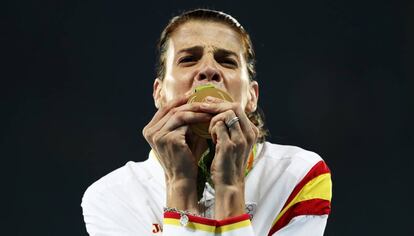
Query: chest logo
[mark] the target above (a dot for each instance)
(156, 228)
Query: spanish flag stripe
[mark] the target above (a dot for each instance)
(209, 225)
(318, 169)
(319, 187)
(234, 226)
(191, 225)
(315, 185)
(195, 219)
(307, 207)
(233, 220)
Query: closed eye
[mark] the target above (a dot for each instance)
(187, 60)
(228, 62)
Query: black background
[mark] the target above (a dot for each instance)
(336, 78)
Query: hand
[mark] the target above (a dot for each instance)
(234, 144)
(166, 133)
(233, 147)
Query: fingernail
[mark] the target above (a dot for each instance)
(209, 99)
(205, 105)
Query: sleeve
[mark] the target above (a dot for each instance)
(199, 226)
(306, 211)
(310, 225)
(106, 215)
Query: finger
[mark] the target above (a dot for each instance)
(234, 131)
(220, 132)
(167, 107)
(149, 130)
(216, 108)
(256, 130)
(180, 131)
(185, 118)
(220, 117)
(214, 99)
(194, 107)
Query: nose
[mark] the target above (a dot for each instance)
(208, 73)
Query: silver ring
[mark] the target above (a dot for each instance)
(231, 122)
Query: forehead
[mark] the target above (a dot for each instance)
(206, 34)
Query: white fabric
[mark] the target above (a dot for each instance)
(130, 200)
(304, 225)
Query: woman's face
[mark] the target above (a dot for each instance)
(201, 52)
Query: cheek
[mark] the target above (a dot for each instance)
(174, 88)
(239, 91)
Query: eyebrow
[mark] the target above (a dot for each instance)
(221, 52)
(217, 51)
(195, 49)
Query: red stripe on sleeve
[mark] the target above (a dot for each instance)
(195, 219)
(309, 207)
(233, 220)
(207, 221)
(318, 169)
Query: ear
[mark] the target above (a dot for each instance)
(251, 105)
(157, 92)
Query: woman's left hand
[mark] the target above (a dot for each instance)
(234, 143)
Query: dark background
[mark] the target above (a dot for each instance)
(336, 78)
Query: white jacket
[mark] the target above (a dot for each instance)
(288, 192)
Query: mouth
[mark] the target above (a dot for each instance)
(202, 86)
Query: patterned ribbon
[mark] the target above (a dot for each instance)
(204, 165)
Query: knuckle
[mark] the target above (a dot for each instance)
(179, 145)
(144, 132)
(212, 130)
(225, 145)
(219, 146)
(233, 145)
(220, 122)
(175, 141)
(174, 110)
(157, 139)
(239, 142)
(249, 139)
(215, 120)
(231, 113)
(179, 116)
(165, 109)
(194, 106)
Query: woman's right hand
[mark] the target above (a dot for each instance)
(166, 134)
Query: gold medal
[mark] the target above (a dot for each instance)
(199, 95)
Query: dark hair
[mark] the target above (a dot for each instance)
(257, 117)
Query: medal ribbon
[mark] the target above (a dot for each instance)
(204, 165)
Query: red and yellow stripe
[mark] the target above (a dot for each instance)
(233, 223)
(311, 196)
(195, 222)
(209, 225)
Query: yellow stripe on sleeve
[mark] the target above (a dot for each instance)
(191, 225)
(319, 187)
(234, 226)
